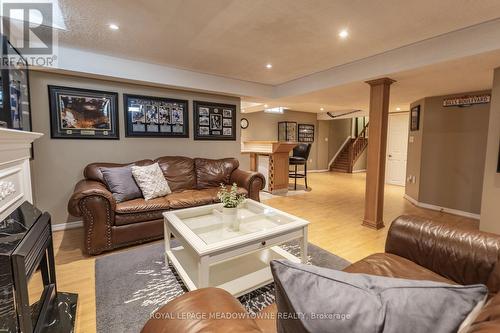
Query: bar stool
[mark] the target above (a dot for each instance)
(299, 157)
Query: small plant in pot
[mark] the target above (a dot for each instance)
(230, 200)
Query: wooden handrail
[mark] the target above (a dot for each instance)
(357, 146)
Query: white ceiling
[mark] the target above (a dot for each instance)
(466, 74)
(236, 38)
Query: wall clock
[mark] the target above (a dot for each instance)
(244, 123)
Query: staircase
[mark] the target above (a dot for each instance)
(352, 150)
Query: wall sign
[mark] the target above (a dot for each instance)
(467, 100)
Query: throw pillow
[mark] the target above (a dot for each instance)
(314, 299)
(151, 181)
(121, 183)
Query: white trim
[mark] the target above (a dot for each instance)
(338, 152)
(317, 171)
(359, 171)
(67, 226)
(442, 209)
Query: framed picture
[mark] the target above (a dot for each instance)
(287, 131)
(415, 118)
(148, 116)
(306, 133)
(214, 121)
(83, 114)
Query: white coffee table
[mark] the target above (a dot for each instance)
(214, 255)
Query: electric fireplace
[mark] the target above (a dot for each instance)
(29, 301)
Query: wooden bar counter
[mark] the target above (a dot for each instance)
(271, 159)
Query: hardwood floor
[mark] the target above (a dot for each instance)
(334, 207)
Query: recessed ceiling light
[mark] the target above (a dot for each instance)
(398, 109)
(343, 33)
(265, 105)
(242, 110)
(269, 66)
(113, 26)
(322, 109)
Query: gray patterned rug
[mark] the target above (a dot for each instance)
(131, 285)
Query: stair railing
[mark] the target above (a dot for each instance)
(358, 145)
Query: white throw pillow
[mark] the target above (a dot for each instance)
(151, 181)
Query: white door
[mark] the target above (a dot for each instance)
(397, 148)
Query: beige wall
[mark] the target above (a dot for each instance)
(59, 163)
(490, 207)
(449, 149)
(414, 155)
(340, 129)
(264, 127)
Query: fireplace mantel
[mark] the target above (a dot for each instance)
(15, 176)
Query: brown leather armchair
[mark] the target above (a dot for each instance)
(415, 248)
(194, 182)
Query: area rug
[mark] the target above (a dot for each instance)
(131, 285)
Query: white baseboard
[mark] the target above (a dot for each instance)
(67, 226)
(316, 171)
(358, 171)
(442, 209)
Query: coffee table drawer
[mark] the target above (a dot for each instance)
(240, 249)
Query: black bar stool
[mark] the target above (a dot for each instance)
(299, 157)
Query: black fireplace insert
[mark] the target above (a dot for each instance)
(29, 301)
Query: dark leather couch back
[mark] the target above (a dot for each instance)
(179, 172)
(464, 256)
(93, 171)
(211, 173)
(182, 173)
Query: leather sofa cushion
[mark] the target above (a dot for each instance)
(140, 210)
(179, 172)
(211, 173)
(190, 198)
(93, 170)
(390, 265)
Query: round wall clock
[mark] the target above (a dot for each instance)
(244, 123)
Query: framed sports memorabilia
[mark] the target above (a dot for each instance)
(83, 114)
(306, 133)
(214, 121)
(415, 118)
(147, 116)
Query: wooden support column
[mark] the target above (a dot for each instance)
(377, 144)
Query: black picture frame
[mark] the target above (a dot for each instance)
(287, 131)
(305, 133)
(171, 108)
(15, 100)
(214, 121)
(89, 99)
(415, 118)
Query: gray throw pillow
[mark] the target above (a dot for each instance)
(121, 183)
(314, 299)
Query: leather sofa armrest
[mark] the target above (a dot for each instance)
(202, 310)
(253, 182)
(462, 255)
(92, 200)
(86, 188)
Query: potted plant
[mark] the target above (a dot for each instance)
(230, 200)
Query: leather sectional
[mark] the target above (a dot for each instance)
(415, 248)
(194, 182)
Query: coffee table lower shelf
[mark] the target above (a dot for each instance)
(238, 275)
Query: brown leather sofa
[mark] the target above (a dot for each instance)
(194, 182)
(415, 249)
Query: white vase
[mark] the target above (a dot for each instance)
(230, 218)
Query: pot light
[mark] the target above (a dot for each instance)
(265, 105)
(322, 109)
(113, 26)
(269, 66)
(343, 34)
(398, 109)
